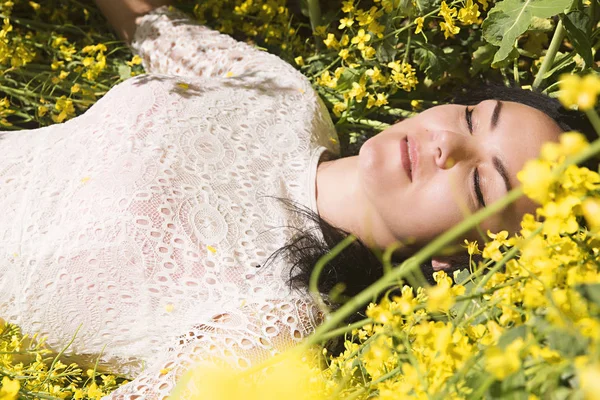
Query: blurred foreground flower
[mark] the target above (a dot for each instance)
(293, 375)
(579, 92)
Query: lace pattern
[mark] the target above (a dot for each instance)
(142, 222)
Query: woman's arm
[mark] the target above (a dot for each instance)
(121, 14)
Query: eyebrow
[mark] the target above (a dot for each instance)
(496, 114)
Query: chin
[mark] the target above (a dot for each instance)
(377, 167)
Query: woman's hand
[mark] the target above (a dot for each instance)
(121, 14)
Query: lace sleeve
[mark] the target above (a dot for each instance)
(171, 43)
(240, 337)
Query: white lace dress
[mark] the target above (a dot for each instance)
(142, 222)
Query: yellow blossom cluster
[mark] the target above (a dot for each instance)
(578, 92)
(14, 51)
(273, 379)
(520, 319)
(5, 111)
(28, 367)
(265, 20)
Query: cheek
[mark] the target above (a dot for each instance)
(423, 213)
(379, 164)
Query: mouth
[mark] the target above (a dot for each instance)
(406, 158)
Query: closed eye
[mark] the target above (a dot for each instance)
(476, 185)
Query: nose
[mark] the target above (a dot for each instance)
(451, 148)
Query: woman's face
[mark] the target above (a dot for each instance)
(462, 158)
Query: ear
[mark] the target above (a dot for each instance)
(439, 263)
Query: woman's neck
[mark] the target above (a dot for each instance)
(341, 201)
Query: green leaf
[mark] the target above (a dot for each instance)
(566, 344)
(387, 50)
(124, 72)
(482, 58)
(575, 24)
(510, 335)
(304, 8)
(346, 78)
(425, 6)
(434, 61)
(511, 18)
(591, 292)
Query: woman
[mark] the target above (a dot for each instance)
(139, 225)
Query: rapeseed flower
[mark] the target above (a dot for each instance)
(577, 92)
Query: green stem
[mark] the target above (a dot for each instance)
(557, 38)
(314, 276)
(407, 51)
(314, 13)
(327, 67)
(346, 329)
(369, 123)
(478, 394)
(594, 119)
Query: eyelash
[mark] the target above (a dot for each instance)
(468, 117)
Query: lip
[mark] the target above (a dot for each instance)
(405, 157)
(413, 153)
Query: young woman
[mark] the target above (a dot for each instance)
(143, 226)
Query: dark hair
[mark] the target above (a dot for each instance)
(358, 266)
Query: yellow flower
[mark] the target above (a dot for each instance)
(446, 11)
(560, 216)
(361, 39)
(375, 75)
(358, 91)
(579, 92)
(331, 41)
(34, 5)
(346, 23)
(9, 389)
(368, 52)
(326, 80)
(589, 377)
(291, 376)
(94, 392)
(449, 29)
(376, 356)
(57, 64)
(419, 21)
(299, 60)
(472, 247)
(591, 212)
(58, 41)
(319, 30)
(136, 60)
(338, 108)
(348, 6)
(403, 74)
(67, 52)
(468, 14)
(345, 40)
(536, 178)
(344, 53)
(65, 108)
(502, 363)
(439, 298)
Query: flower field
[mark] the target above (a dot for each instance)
(522, 323)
